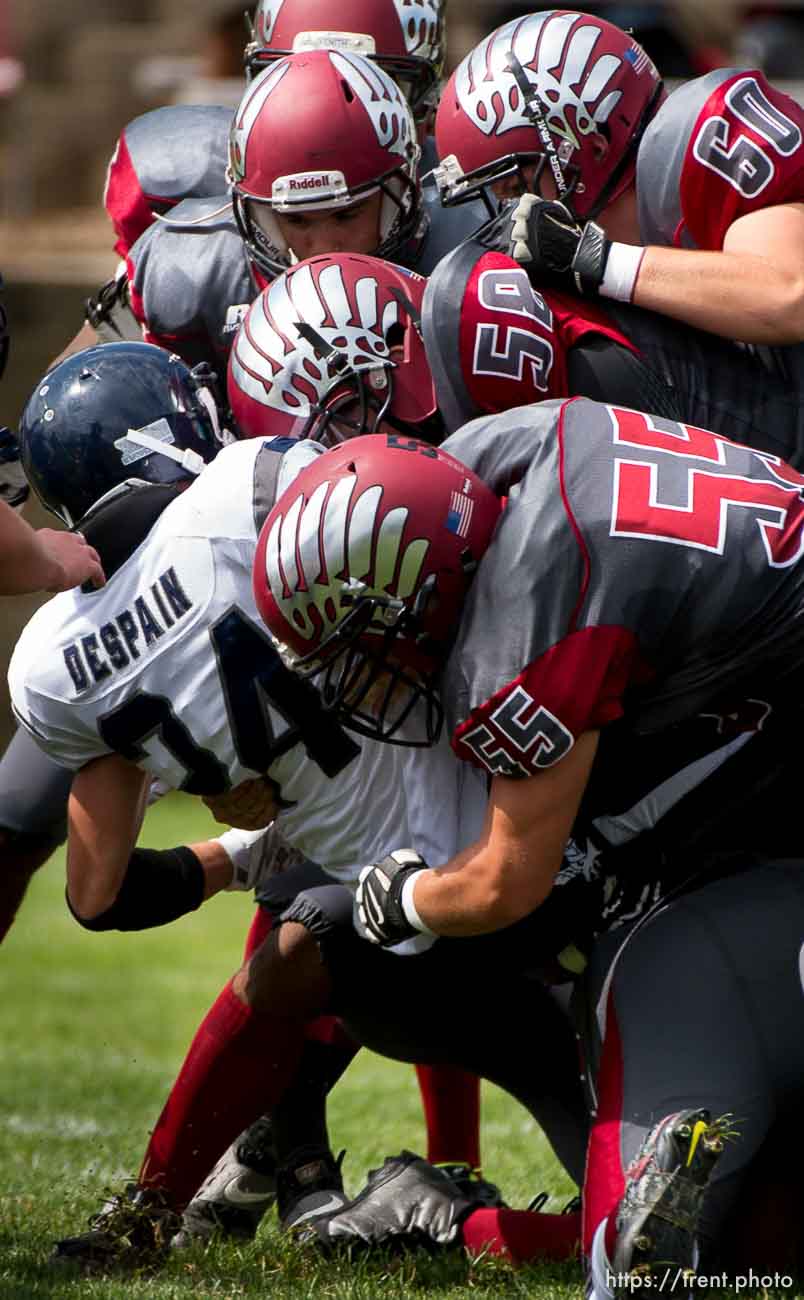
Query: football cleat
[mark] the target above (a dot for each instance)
(132, 1229)
(657, 1219)
(471, 1184)
(308, 1186)
(407, 1202)
(234, 1197)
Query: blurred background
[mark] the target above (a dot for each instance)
(72, 75)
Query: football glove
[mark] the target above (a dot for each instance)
(378, 913)
(546, 239)
(256, 854)
(14, 488)
(406, 1202)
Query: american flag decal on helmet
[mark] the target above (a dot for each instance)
(459, 518)
(637, 58)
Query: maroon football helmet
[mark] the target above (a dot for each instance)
(577, 95)
(405, 37)
(332, 349)
(361, 571)
(322, 130)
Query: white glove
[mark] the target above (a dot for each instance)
(256, 854)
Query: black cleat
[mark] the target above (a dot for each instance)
(407, 1202)
(471, 1184)
(657, 1220)
(234, 1197)
(132, 1230)
(308, 1186)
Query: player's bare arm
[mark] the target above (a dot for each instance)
(753, 290)
(504, 876)
(104, 815)
(106, 808)
(510, 870)
(44, 560)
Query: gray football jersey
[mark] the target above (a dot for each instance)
(173, 153)
(494, 342)
(721, 146)
(643, 572)
(190, 281)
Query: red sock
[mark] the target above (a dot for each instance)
(451, 1100)
(522, 1235)
(238, 1066)
(261, 927)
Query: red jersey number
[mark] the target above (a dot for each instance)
(701, 522)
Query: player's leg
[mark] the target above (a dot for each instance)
(696, 1010)
(244, 1055)
(242, 1185)
(33, 819)
(496, 1021)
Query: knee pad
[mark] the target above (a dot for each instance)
(276, 893)
(325, 911)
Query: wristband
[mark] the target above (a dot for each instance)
(409, 907)
(622, 269)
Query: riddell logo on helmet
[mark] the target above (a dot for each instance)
(311, 186)
(317, 182)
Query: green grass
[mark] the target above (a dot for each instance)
(93, 1029)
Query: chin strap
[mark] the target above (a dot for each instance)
(189, 459)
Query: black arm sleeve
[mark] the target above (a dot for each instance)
(159, 886)
(600, 368)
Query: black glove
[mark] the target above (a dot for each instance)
(546, 239)
(378, 914)
(406, 1202)
(14, 488)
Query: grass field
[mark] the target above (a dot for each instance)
(93, 1028)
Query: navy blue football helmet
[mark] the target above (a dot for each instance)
(112, 414)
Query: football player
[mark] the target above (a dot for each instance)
(634, 603)
(392, 379)
(689, 205)
(181, 151)
(344, 179)
(88, 680)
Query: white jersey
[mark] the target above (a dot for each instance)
(170, 666)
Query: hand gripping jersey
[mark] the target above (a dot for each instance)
(190, 281)
(173, 153)
(493, 342)
(721, 146)
(643, 572)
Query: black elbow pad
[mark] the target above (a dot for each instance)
(159, 886)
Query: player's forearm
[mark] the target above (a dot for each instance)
(478, 893)
(743, 296)
(27, 563)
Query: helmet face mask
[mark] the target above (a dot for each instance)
(359, 678)
(332, 350)
(361, 571)
(568, 88)
(354, 138)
